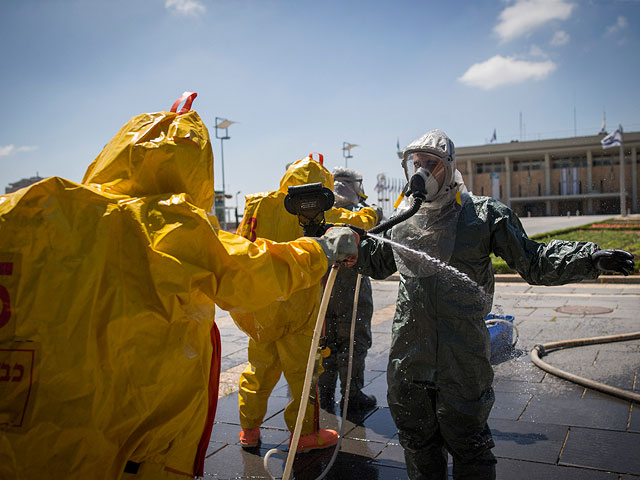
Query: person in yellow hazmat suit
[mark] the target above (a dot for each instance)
(109, 354)
(281, 333)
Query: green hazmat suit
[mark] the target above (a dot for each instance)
(439, 373)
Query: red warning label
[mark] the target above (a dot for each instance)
(17, 378)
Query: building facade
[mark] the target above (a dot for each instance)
(573, 176)
(25, 182)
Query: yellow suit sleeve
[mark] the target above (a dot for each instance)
(365, 218)
(237, 274)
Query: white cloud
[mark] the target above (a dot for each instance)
(536, 51)
(525, 16)
(499, 71)
(7, 150)
(621, 23)
(185, 7)
(560, 38)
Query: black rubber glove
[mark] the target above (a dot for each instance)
(619, 261)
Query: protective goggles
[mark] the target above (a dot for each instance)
(432, 163)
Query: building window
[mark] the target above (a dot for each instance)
(500, 192)
(539, 190)
(519, 190)
(481, 190)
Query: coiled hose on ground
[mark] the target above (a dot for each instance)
(542, 350)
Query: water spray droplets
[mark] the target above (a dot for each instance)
(444, 270)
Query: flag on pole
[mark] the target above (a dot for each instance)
(603, 130)
(613, 139)
(493, 137)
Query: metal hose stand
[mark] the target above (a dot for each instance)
(384, 226)
(541, 350)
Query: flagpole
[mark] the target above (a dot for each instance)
(623, 195)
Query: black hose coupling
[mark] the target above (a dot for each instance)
(541, 350)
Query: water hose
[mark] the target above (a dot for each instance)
(542, 350)
(347, 389)
(307, 381)
(345, 405)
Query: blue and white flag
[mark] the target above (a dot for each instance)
(493, 137)
(614, 139)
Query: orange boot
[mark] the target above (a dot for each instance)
(249, 437)
(322, 438)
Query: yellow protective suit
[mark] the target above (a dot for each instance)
(108, 349)
(281, 333)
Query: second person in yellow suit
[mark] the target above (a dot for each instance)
(280, 334)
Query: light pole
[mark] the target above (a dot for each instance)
(237, 193)
(346, 151)
(223, 124)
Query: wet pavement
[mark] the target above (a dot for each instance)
(543, 427)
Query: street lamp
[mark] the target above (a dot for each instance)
(223, 124)
(346, 151)
(237, 193)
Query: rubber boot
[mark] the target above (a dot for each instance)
(327, 387)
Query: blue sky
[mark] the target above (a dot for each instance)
(302, 76)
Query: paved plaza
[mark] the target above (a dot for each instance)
(543, 427)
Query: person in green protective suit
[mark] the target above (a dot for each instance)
(439, 373)
(349, 194)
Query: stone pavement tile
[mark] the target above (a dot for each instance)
(334, 421)
(615, 368)
(378, 388)
(362, 448)
(233, 462)
(276, 406)
(519, 369)
(377, 427)
(595, 412)
(377, 362)
(509, 469)
(556, 328)
(382, 331)
(225, 433)
(281, 389)
(234, 359)
(213, 447)
(595, 326)
(634, 422)
(541, 301)
(227, 410)
(508, 405)
(557, 387)
(347, 467)
(392, 455)
(602, 449)
(553, 290)
(539, 442)
(520, 313)
(374, 375)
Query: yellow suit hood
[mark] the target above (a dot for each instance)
(142, 159)
(306, 170)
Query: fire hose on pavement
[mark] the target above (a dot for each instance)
(542, 350)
